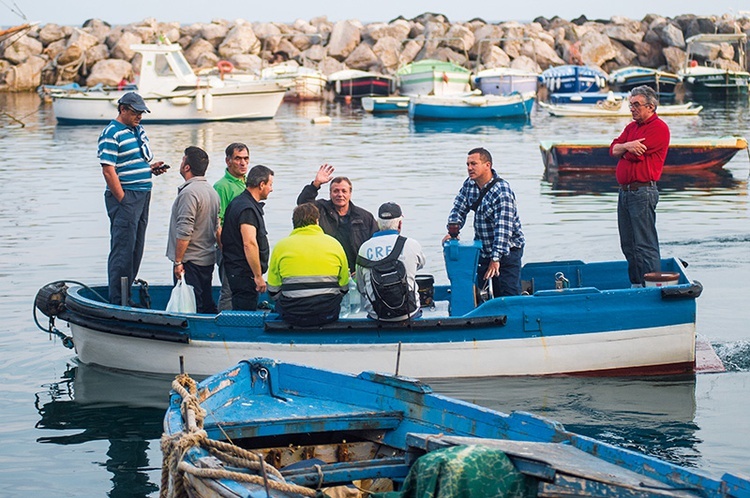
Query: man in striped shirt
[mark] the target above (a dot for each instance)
(125, 156)
(496, 224)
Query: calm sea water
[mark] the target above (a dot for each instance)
(72, 430)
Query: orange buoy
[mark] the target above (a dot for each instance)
(224, 67)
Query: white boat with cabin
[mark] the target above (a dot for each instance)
(174, 94)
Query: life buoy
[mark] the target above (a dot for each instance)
(224, 67)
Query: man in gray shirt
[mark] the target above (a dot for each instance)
(193, 228)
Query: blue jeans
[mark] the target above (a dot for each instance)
(128, 220)
(508, 282)
(636, 221)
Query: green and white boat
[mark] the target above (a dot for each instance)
(433, 77)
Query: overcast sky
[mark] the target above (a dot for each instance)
(187, 11)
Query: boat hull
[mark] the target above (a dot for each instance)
(601, 328)
(614, 109)
(574, 79)
(650, 351)
(502, 81)
(366, 86)
(471, 107)
(682, 156)
(245, 102)
(663, 83)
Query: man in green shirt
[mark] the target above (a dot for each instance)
(228, 187)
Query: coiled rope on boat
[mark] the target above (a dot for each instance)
(174, 448)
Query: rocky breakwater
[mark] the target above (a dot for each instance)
(97, 52)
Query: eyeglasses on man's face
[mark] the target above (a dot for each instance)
(636, 105)
(137, 113)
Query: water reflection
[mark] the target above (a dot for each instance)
(654, 416)
(469, 126)
(577, 184)
(90, 404)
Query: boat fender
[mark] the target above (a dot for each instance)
(199, 101)
(50, 299)
(680, 291)
(208, 102)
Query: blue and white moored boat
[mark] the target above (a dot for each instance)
(574, 79)
(269, 429)
(578, 318)
(472, 106)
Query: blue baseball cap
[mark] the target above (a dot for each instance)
(133, 100)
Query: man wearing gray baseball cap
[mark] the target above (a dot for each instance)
(126, 159)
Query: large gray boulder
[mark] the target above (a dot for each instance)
(198, 48)
(51, 32)
(241, 39)
(110, 72)
(387, 49)
(25, 76)
(316, 53)
(362, 58)
(122, 49)
(23, 48)
(596, 48)
(459, 39)
(345, 37)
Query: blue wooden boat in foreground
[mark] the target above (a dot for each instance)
(269, 429)
(472, 106)
(575, 318)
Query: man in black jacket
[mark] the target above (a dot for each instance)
(339, 217)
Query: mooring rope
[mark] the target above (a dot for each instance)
(174, 468)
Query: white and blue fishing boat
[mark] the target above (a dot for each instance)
(570, 78)
(505, 80)
(575, 318)
(264, 428)
(473, 106)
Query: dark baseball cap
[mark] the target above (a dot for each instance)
(389, 211)
(133, 100)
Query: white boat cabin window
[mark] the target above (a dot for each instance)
(161, 66)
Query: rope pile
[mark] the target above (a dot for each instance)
(174, 447)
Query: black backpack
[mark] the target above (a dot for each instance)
(392, 296)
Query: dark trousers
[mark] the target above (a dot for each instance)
(508, 282)
(128, 220)
(200, 277)
(244, 295)
(636, 221)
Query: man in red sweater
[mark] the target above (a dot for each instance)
(641, 149)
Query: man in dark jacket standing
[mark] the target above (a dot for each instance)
(339, 217)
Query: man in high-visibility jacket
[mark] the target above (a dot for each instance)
(308, 273)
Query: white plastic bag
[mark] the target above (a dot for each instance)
(182, 299)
